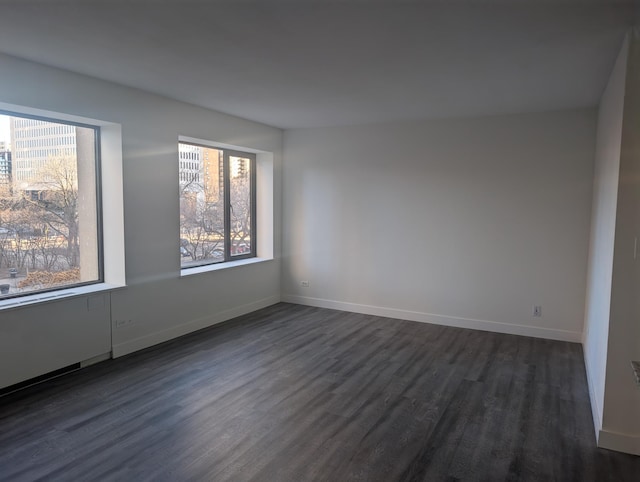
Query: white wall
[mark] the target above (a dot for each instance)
(621, 418)
(603, 225)
(160, 303)
(462, 222)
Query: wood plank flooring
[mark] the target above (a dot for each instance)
(294, 393)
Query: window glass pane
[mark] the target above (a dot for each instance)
(240, 209)
(201, 204)
(48, 206)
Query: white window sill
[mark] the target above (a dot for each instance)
(221, 266)
(61, 294)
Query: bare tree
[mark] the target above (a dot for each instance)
(16, 221)
(240, 208)
(201, 221)
(53, 199)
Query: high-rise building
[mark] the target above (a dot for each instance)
(34, 142)
(199, 171)
(189, 164)
(211, 170)
(5, 165)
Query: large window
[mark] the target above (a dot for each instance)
(217, 204)
(49, 200)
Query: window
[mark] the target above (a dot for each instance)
(49, 206)
(217, 204)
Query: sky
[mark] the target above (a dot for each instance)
(4, 129)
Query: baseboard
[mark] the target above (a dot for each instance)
(484, 325)
(191, 326)
(620, 442)
(595, 408)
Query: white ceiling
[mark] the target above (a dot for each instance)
(311, 63)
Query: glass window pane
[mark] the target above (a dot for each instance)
(48, 206)
(240, 209)
(201, 205)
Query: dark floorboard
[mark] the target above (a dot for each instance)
(293, 393)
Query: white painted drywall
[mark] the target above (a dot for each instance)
(603, 225)
(160, 302)
(621, 418)
(463, 222)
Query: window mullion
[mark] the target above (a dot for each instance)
(227, 205)
(254, 221)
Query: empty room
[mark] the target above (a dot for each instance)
(306, 240)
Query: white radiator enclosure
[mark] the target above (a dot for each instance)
(45, 337)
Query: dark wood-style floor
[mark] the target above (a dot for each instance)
(295, 393)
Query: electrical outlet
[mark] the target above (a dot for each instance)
(123, 323)
(537, 311)
(304, 284)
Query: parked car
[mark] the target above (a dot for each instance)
(242, 248)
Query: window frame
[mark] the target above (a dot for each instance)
(98, 190)
(226, 168)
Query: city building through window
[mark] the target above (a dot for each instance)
(217, 204)
(49, 205)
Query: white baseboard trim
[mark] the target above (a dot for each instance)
(483, 325)
(595, 408)
(620, 442)
(175, 331)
